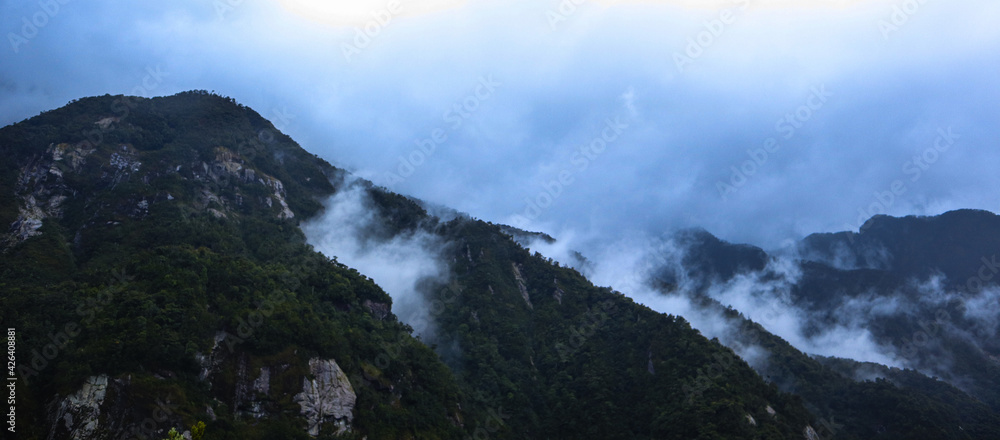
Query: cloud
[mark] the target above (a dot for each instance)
(367, 97)
(933, 327)
(403, 265)
(374, 13)
(363, 102)
(633, 264)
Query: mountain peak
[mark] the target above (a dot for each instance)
(912, 246)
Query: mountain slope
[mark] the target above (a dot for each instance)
(157, 278)
(944, 268)
(915, 316)
(157, 274)
(953, 244)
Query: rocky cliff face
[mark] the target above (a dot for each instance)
(103, 409)
(79, 414)
(521, 287)
(101, 405)
(41, 189)
(327, 398)
(61, 174)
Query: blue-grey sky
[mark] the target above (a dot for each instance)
(759, 120)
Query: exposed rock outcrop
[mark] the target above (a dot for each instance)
(210, 363)
(230, 167)
(327, 398)
(810, 434)
(261, 387)
(279, 195)
(378, 310)
(558, 293)
(521, 286)
(79, 413)
(41, 190)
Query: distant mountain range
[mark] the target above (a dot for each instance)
(925, 289)
(157, 275)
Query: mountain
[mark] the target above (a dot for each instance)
(955, 244)
(707, 259)
(943, 268)
(923, 288)
(161, 271)
(157, 277)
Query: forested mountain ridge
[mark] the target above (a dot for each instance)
(942, 268)
(158, 278)
(922, 288)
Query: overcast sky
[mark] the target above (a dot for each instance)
(759, 120)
